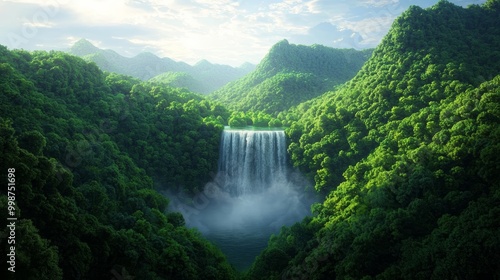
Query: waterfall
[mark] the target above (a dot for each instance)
(254, 194)
(252, 160)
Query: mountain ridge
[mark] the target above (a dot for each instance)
(290, 74)
(147, 65)
(405, 154)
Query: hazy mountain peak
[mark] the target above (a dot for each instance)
(204, 76)
(247, 65)
(203, 62)
(83, 47)
(147, 55)
(282, 43)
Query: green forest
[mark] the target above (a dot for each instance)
(406, 154)
(89, 151)
(402, 142)
(289, 75)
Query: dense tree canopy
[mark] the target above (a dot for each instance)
(406, 154)
(291, 74)
(86, 148)
(180, 80)
(84, 110)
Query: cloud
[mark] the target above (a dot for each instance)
(221, 31)
(323, 33)
(378, 3)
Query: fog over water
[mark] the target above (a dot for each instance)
(253, 195)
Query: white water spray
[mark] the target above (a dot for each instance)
(254, 194)
(252, 161)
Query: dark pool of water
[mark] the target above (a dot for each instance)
(241, 246)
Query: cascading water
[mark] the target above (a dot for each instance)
(252, 161)
(253, 195)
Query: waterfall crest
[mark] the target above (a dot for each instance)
(252, 160)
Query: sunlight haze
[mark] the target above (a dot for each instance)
(221, 31)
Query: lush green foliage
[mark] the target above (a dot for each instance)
(205, 76)
(257, 119)
(86, 147)
(171, 133)
(415, 136)
(180, 80)
(406, 154)
(291, 74)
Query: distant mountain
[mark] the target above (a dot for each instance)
(180, 80)
(291, 74)
(84, 47)
(206, 76)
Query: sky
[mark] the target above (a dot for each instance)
(221, 31)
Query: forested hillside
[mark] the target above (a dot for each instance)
(205, 77)
(178, 80)
(87, 153)
(407, 154)
(291, 74)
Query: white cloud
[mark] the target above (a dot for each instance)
(221, 31)
(378, 3)
(372, 30)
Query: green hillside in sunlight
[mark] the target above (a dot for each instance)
(407, 156)
(397, 145)
(291, 74)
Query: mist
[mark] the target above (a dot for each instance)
(282, 203)
(241, 225)
(253, 195)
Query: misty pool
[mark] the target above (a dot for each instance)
(241, 246)
(242, 226)
(254, 194)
